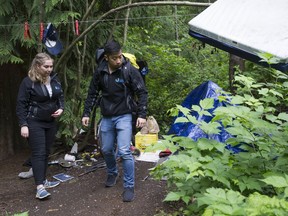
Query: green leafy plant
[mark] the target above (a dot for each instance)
(26, 213)
(213, 180)
(22, 214)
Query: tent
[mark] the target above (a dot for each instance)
(245, 28)
(206, 90)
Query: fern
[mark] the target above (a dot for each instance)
(6, 7)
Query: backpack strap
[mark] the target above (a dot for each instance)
(126, 70)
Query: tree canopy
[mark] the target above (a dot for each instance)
(156, 31)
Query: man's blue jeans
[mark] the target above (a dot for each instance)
(119, 129)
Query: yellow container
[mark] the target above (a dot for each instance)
(144, 140)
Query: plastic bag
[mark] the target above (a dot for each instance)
(144, 129)
(152, 124)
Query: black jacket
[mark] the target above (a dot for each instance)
(117, 92)
(33, 100)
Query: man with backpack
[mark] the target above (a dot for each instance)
(117, 81)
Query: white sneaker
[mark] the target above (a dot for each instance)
(26, 175)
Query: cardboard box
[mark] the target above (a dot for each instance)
(144, 140)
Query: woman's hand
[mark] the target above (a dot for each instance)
(25, 132)
(57, 113)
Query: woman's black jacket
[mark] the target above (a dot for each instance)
(33, 100)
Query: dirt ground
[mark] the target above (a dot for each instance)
(83, 195)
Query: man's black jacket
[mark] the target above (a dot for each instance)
(117, 91)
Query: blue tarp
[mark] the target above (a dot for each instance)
(206, 90)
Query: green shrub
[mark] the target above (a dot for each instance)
(212, 180)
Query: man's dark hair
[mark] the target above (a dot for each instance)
(112, 47)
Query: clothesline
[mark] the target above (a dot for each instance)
(92, 21)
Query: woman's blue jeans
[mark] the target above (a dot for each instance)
(119, 129)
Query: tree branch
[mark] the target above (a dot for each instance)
(123, 7)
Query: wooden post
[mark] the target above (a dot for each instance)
(234, 61)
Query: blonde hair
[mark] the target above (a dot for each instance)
(33, 72)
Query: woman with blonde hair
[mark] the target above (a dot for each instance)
(40, 101)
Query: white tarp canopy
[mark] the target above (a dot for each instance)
(249, 26)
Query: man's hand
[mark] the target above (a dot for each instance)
(141, 122)
(85, 121)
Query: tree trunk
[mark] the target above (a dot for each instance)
(114, 26)
(176, 27)
(10, 140)
(41, 20)
(234, 61)
(126, 23)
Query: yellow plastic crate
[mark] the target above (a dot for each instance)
(144, 140)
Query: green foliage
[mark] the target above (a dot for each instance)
(203, 174)
(19, 214)
(258, 204)
(174, 68)
(66, 132)
(6, 7)
(22, 214)
(269, 58)
(228, 202)
(14, 48)
(177, 64)
(208, 177)
(222, 202)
